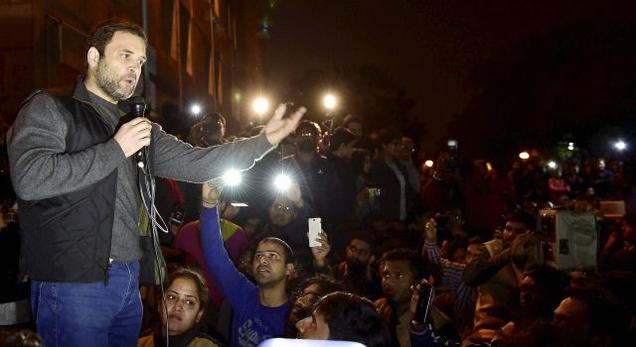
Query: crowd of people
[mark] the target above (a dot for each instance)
(452, 254)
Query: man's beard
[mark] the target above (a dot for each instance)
(108, 81)
(356, 265)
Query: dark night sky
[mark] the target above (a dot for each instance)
(429, 47)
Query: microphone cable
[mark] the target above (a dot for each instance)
(147, 189)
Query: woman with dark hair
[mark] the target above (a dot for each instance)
(345, 317)
(181, 309)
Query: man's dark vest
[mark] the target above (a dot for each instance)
(67, 238)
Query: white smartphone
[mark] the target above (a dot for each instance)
(315, 227)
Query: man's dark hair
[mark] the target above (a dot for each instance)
(194, 276)
(415, 262)
(352, 318)
(303, 309)
(366, 236)
(523, 217)
(214, 117)
(325, 284)
(341, 136)
(103, 33)
(390, 134)
(289, 253)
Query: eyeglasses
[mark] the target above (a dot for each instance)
(284, 208)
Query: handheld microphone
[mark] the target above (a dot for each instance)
(138, 109)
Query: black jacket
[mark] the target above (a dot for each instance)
(67, 238)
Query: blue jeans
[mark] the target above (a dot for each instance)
(90, 314)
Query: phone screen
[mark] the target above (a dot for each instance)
(314, 231)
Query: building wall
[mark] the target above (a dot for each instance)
(198, 50)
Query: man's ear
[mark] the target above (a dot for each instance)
(289, 269)
(372, 259)
(92, 57)
(199, 315)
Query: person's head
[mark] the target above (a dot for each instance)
(391, 140)
(540, 290)
(184, 302)
(210, 131)
(308, 294)
(361, 161)
(589, 316)
(342, 143)
(346, 317)
(308, 135)
(359, 252)
(456, 249)
(116, 52)
(354, 124)
(272, 262)
(400, 268)
(229, 211)
(516, 224)
(281, 211)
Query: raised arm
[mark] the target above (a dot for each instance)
(179, 160)
(234, 285)
(41, 165)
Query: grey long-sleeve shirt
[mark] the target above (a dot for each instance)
(41, 168)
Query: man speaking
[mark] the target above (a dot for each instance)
(73, 170)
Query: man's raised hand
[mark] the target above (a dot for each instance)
(278, 127)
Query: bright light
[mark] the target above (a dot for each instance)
(488, 166)
(452, 143)
(571, 146)
(282, 182)
(232, 178)
(329, 101)
(552, 164)
(260, 105)
(620, 145)
(524, 155)
(429, 163)
(195, 109)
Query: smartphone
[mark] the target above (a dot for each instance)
(176, 217)
(315, 227)
(424, 303)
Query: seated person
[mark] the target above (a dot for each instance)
(181, 309)
(400, 269)
(345, 317)
(306, 296)
(235, 240)
(260, 310)
(357, 272)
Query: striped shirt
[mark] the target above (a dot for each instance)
(452, 278)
